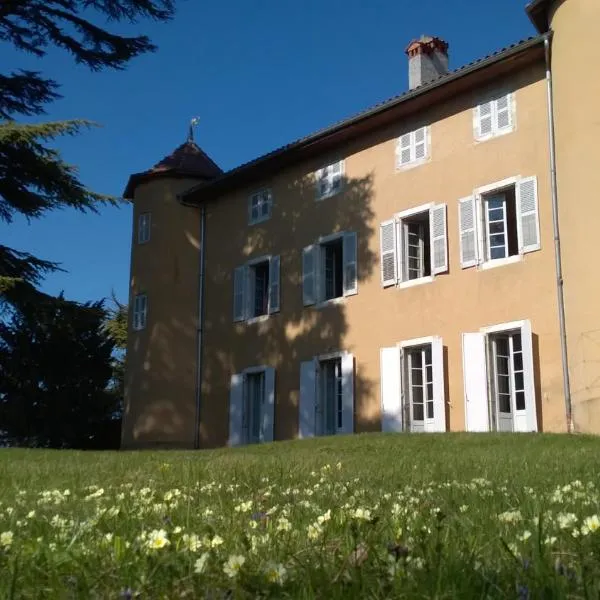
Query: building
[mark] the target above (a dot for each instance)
(399, 271)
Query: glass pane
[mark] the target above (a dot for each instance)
(519, 385)
(498, 252)
(417, 412)
(504, 403)
(430, 391)
(265, 209)
(497, 227)
(255, 201)
(520, 400)
(417, 376)
(495, 202)
(502, 346)
(430, 410)
(428, 355)
(415, 359)
(516, 342)
(497, 239)
(429, 373)
(518, 361)
(496, 214)
(503, 384)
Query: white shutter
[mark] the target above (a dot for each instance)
(236, 409)
(347, 394)
(475, 382)
(268, 408)
(387, 240)
(391, 399)
(504, 112)
(306, 403)
(349, 252)
(239, 293)
(528, 215)
(403, 150)
(274, 284)
(420, 144)
(309, 275)
(484, 119)
(468, 232)
(529, 379)
(439, 243)
(337, 175)
(439, 396)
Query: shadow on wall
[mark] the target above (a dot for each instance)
(297, 333)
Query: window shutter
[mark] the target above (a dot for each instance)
(350, 251)
(504, 112)
(274, 284)
(528, 215)
(337, 174)
(420, 143)
(306, 404)
(484, 119)
(389, 263)
(347, 394)
(236, 409)
(144, 311)
(529, 380)
(239, 295)
(439, 242)
(403, 150)
(468, 232)
(439, 396)
(309, 275)
(475, 382)
(268, 409)
(391, 400)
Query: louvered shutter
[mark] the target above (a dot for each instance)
(420, 143)
(144, 311)
(274, 284)
(439, 398)
(239, 293)
(485, 119)
(403, 150)
(467, 231)
(387, 243)
(306, 403)
(337, 174)
(268, 408)
(391, 400)
(439, 242)
(309, 275)
(347, 394)
(350, 251)
(236, 409)
(504, 112)
(475, 382)
(528, 376)
(528, 215)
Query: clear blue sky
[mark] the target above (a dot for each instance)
(259, 74)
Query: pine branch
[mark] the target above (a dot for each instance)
(25, 92)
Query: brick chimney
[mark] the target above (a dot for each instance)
(427, 60)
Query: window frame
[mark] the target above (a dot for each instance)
(496, 131)
(140, 315)
(246, 416)
(269, 201)
(144, 218)
(249, 288)
(329, 176)
(412, 147)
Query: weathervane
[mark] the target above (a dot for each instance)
(193, 122)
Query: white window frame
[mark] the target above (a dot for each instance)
(140, 314)
(496, 130)
(412, 147)
(144, 227)
(249, 289)
(330, 178)
(266, 195)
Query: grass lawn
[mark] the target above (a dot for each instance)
(365, 516)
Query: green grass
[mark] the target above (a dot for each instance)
(400, 517)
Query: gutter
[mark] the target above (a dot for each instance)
(556, 231)
(200, 326)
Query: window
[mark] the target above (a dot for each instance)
(498, 222)
(412, 148)
(329, 180)
(412, 386)
(144, 228)
(499, 378)
(251, 406)
(256, 288)
(414, 245)
(327, 395)
(259, 206)
(140, 311)
(329, 268)
(494, 117)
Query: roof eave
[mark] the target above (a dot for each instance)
(537, 10)
(326, 138)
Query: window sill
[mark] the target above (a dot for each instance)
(492, 136)
(325, 196)
(412, 165)
(413, 282)
(259, 319)
(332, 302)
(500, 262)
(259, 221)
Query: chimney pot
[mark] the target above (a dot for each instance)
(427, 60)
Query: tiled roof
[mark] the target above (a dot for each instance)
(189, 158)
(377, 108)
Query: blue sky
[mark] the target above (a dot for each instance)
(259, 74)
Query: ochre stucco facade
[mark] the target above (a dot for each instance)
(161, 393)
